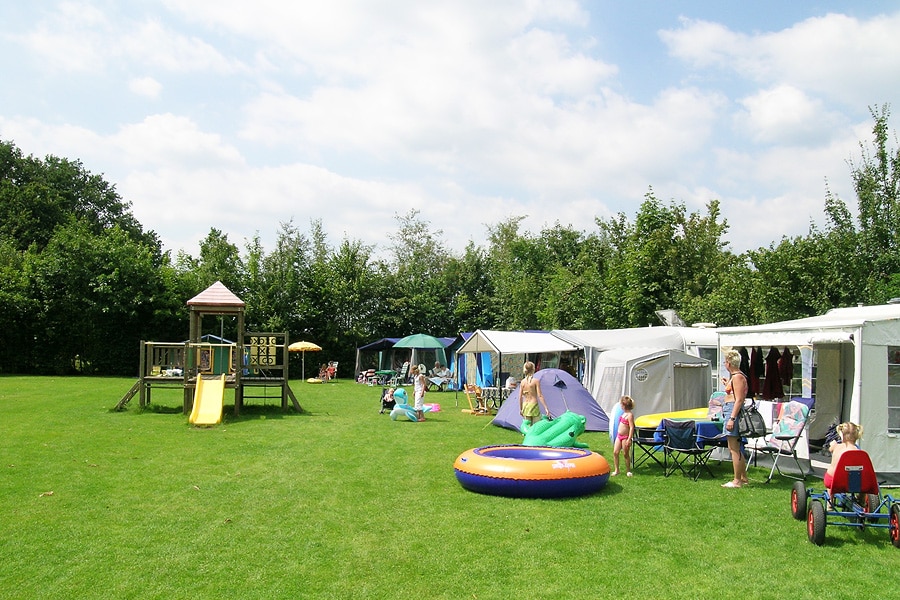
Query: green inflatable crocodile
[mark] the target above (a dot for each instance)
(561, 432)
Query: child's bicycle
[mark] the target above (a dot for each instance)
(852, 501)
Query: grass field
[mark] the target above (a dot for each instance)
(342, 502)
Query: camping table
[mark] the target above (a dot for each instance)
(384, 376)
(494, 396)
(436, 384)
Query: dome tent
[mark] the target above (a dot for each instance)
(562, 392)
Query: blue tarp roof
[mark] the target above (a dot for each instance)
(382, 344)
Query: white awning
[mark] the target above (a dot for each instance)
(514, 342)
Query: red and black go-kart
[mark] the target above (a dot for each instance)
(852, 501)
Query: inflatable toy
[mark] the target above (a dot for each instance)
(560, 432)
(400, 395)
(655, 419)
(618, 411)
(408, 411)
(531, 471)
(314, 380)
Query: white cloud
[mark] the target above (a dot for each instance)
(472, 112)
(59, 41)
(852, 61)
(152, 43)
(36, 137)
(147, 87)
(80, 37)
(171, 141)
(785, 114)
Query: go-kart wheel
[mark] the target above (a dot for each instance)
(799, 500)
(871, 505)
(895, 525)
(815, 523)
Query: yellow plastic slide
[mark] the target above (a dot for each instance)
(208, 397)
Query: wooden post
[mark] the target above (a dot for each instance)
(142, 366)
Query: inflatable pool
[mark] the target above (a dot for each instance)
(531, 471)
(655, 419)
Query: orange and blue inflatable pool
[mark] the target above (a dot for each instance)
(531, 471)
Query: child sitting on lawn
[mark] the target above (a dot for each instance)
(387, 399)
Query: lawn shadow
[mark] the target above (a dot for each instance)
(160, 409)
(255, 412)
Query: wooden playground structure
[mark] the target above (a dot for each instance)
(252, 365)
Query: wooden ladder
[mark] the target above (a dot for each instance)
(129, 395)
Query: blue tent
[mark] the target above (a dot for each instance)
(379, 354)
(459, 362)
(562, 392)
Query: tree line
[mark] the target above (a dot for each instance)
(82, 282)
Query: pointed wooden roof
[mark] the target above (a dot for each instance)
(216, 295)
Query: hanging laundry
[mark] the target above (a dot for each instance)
(772, 383)
(757, 370)
(745, 362)
(786, 366)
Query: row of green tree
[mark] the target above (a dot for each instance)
(82, 282)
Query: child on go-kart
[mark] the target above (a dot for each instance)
(850, 434)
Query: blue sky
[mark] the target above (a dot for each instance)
(240, 115)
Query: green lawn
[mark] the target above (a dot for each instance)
(342, 502)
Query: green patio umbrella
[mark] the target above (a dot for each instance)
(421, 341)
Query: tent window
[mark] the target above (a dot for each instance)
(893, 389)
(612, 383)
(712, 355)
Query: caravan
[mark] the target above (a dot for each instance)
(848, 361)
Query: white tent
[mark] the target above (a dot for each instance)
(677, 338)
(658, 379)
(513, 342)
(850, 363)
(702, 342)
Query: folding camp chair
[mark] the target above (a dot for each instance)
(681, 446)
(647, 444)
(790, 421)
(401, 377)
(476, 400)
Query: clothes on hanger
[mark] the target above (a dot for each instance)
(786, 366)
(772, 387)
(757, 370)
